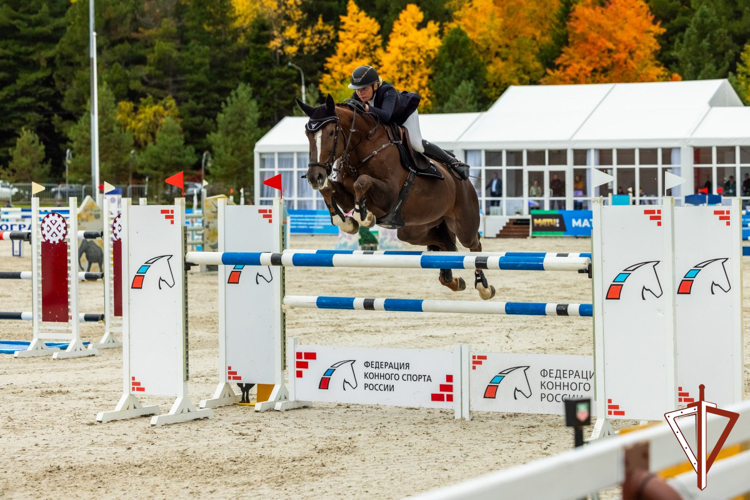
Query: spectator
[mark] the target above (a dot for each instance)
(620, 190)
(535, 191)
(496, 189)
(578, 189)
(558, 191)
(708, 186)
(730, 187)
(746, 185)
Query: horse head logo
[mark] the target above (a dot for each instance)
(345, 371)
(159, 267)
(713, 271)
(641, 277)
(512, 380)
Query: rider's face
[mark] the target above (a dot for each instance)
(365, 94)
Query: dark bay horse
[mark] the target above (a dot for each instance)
(369, 179)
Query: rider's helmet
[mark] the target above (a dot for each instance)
(364, 76)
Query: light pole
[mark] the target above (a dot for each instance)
(68, 157)
(205, 161)
(291, 64)
(94, 110)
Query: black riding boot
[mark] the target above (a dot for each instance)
(435, 152)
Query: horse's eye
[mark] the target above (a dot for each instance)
(330, 133)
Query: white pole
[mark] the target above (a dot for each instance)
(94, 111)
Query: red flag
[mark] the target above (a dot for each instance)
(275, 182)
(177, 180)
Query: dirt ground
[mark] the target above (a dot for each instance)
(53, 448)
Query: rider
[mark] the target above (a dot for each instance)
(383, 100)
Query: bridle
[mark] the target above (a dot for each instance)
(318, 124)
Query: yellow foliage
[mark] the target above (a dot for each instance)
(289, 36)
(144, 122)
(612, 43)
(508, 35)
(407, 61)
(248, 10)
(358, 44)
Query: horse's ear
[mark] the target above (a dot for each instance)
(308, 110)
(330, 104)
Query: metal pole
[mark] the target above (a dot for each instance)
(304, 99)
(68, 157)
(94, 111)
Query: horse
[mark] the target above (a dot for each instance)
(371, 181)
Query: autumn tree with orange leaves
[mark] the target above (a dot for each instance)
(359, 43)
(407, 60)
(508, 36)
(612, 43)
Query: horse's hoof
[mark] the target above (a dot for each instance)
(486, 293)
(350, 226)
(369, 220)
(461, 285)
(456, 284)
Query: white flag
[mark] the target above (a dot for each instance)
(599, 178)
(671, 180)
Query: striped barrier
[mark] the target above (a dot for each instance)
(29, 316)
(438, 306)
(417, 252)
(27, 275)
(427, 261)
(15, 235)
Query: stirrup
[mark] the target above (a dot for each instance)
(461, 168)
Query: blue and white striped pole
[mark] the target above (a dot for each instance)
(438, 306)
(28, 316)
(429, 261)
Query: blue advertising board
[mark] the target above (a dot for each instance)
(311, 222)
(561, 223)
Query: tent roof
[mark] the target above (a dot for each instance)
(669, 114)
(608, 115)
(723, 127)
(443, 129)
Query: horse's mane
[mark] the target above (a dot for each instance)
(372, 117)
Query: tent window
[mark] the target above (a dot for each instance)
(580, 156)
(745, 186)
(267, 161)
(514, 183)
(726, 180)
(626, 181)
(649, 185)
(514, 158)
(702, 156)
(493, 158)
(558, 157)
(626, 156)
(603, 157)
(647, 157)
(725, 155)
(744, 154)
(535, 158)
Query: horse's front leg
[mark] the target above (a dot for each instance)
(338, 217)
(366, 189)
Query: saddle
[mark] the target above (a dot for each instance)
(411, 160)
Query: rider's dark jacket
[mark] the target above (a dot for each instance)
(392, 106)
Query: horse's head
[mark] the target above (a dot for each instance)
(322, 130)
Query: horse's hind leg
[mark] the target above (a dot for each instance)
(446, 275)
(486, 291)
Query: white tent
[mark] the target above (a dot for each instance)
(538, 135)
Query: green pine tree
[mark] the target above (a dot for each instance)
(465, 99)
(115, 145)
(29, 32)
(167, 155)
(27, 160)
(741, 80)
(549, 53)
(705, 50)
(233, 143)
(674, 16)
(457, 64)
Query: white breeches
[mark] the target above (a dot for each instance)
(415, 135)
